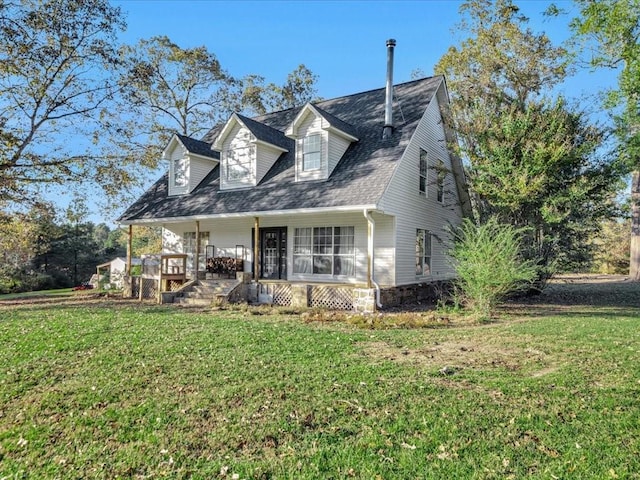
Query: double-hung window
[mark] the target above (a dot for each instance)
(324, 251)
(422, 173)
(423, 253)
(238, 164)
(311, 152)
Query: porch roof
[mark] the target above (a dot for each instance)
(359, 180)
(251, 214)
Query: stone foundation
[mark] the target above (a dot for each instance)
(364, 300)
(422, 293)
(299, 296)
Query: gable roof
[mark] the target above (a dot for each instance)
(334, 122)
(263, 133)
(198, 147)
(359, 179)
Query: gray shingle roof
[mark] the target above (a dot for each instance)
(198, 147)
(266, 133)
(360, 178)
(337, 123)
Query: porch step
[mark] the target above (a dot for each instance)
(193, 301)
(206, 291)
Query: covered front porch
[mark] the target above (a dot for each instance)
(326, 254)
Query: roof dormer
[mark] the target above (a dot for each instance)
(321, 140)
(190, 161)
(248, 150)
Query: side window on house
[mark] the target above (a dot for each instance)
(311, 152)
(423, 253)
(180, 172)
(441, 176)
(238, 163)
(423, 171)
(324, 251)
(189, 245)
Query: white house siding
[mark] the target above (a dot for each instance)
(172, 239)
(384, 249)
(337, 145)
(225, 234)
(310, 125)
(239, 137)
(199, 168)
(265, 158)
(414, 210)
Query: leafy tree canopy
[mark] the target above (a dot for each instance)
(55, 59)
(63, 76)
(612, 27)
(168, 89)
(531, 159)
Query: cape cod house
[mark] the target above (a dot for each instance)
(333, 202)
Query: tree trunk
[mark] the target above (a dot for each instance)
(634, 259)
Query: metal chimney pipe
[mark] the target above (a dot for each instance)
(388, 108)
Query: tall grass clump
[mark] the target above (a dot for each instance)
(489, 265)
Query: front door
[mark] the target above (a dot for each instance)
(273, 253)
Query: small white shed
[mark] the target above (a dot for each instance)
(114, 272)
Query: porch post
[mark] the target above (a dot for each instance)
(129, 249)
(197, 266)
(256, 248)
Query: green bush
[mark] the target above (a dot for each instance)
(136, 270)
(489, 265)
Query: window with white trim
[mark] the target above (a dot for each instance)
(179, 177)
(423, 253)
(324, 251)
(237, 164)
(441, 175)
(189, 246)
(422, 173)
(311, 152)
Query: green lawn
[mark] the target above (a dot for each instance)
(60, 292)
(116, 389)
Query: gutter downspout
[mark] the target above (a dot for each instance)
(370, 270)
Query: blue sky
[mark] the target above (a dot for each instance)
(343, 42)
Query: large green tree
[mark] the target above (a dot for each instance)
(168, 89)
(531, 158)
(613, 28)
(55, 59)
(258, 97)
(24, 236)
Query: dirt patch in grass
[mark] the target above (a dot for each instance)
(450, 357)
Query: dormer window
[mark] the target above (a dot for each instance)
(321, 140)
(238, 164)
(249, 149)
(311, 152)
(180, 172)
(189, 161)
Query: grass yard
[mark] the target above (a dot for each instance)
(114, 389)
